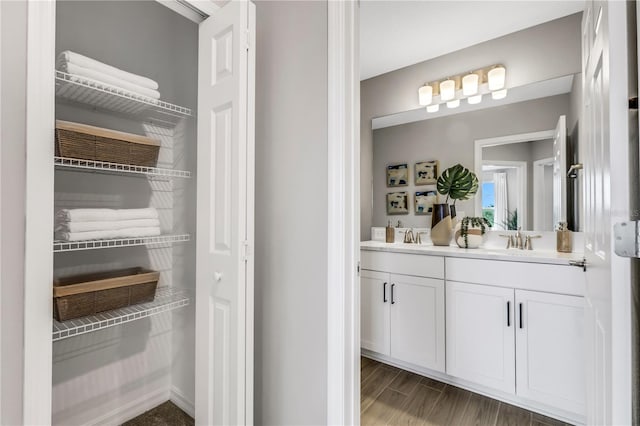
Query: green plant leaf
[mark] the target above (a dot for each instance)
(458, 183)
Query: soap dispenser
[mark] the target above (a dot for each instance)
(391, 233)
(563, 238)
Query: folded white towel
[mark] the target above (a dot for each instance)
(106, 225)
(100, 215)
(101, 77)
(107, 235)
(75, 58)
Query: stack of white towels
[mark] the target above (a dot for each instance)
(102, 224)
(83, 66)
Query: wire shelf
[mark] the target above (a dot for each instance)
(116, 168)
(60, 246)
(166, 300)
(101, 95)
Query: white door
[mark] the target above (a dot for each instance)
(375, 297)
(224, 288)
(480, 334)
(560, 172)
(417, 321)
(550, 349)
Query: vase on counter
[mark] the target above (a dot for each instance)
(441, 231)
(470, 232)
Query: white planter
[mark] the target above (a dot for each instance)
(474, 236)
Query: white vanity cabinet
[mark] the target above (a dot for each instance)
(402, 316)
(480, 335)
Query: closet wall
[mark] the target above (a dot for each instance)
(108, 375)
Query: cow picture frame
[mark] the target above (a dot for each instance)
(426, 172)
(397, 175)
(424, 201)
(397, 203)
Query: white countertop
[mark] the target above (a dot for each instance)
(512, 255)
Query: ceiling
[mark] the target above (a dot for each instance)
(398, 33)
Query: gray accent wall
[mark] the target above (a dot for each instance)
(538, 53)
(291, 213)
(451, 140)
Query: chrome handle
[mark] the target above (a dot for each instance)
(508, 314)
(579, 263)
(393, 302)
(384, 293)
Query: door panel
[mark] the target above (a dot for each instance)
(560, 172)
(550, 349)
(224, 286)
(374, 311)
(417, 321)
(480, 334)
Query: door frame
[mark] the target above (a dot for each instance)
(522, 171)
(538, 183)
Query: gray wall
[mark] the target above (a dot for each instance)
(13, 146)
(291, 213)
(451, 140)
(535, 54)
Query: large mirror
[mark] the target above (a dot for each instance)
(522, 174)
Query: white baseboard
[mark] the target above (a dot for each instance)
(134, 408)
(186, 405)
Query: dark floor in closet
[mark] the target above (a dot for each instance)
(164, 414)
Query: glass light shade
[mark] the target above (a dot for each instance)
(447, 90)
(499, 94)
(425, 95)
(453, 104)
(474, 99)
(470, 84)
(496, 77)
(433, 108)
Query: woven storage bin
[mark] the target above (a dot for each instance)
(83, 295)
(75, 140)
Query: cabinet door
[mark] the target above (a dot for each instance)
(417, 321)
(550, 349)
(374, 311)
(480, 334)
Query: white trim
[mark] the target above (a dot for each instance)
(523, 171)
(343, 328)
(38, 267)
(132, 409)
(177, 397)
(194, 10)
(2, 367)
(538, 183)
(501, 140)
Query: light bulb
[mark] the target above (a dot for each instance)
(474, 99)
(453, 104)
(447, 90)
(425, 95)
(496, 77)
(499, 94)
(433, 108)
(470, 84)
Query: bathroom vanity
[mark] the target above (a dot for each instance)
(505, 323)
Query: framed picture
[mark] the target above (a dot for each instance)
(427, 172)
(397, 175)
(424, 202)
(397, 203)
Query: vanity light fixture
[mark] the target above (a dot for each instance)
(474, 99)
(425, 95)
(433, 108)
(499, 94)
(453, 104)
(496, 77)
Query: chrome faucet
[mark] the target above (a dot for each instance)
(418, 238)
(519, 239)
(408, 236)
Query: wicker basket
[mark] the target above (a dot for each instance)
(83, 295)
(85, 142)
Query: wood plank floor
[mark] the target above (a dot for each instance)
(391, 396)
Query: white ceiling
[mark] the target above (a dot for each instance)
(398, 33)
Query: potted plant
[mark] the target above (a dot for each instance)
(456, 183)
(470, 232)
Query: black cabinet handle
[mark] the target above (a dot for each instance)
(520, 308)
(392, 301)
(508, 314)
(384, 293)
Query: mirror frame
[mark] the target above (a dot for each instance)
(503, 140)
